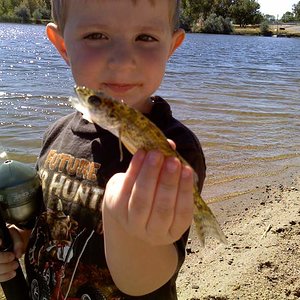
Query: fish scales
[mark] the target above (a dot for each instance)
(136, 131)
(134, 124)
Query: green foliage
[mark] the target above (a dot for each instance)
(288, 17)
(197, 12)
(292, 16)
(245, 12)
(37, 15)
(24, 10)
(222, 8)
(269, 18)
(217, 24)
(194, 9)
(265, 28)
(296, 11)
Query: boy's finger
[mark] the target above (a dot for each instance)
(185, 204)
(6, 257)
(133, 171)
(7, 276)
(18, 242)
(162, 213)
(121, 184)
(143, 191)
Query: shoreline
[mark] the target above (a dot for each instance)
(285, 30)
(280, 30)
(262, 258)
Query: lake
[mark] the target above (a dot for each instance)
(239, 94)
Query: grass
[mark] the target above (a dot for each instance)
(283, 30)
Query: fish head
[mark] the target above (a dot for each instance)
(97, 107)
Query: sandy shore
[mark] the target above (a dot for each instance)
(262, 257)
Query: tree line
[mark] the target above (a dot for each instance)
(25, 10)
(216, 16)
(219, 15)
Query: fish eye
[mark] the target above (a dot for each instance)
(94, 100)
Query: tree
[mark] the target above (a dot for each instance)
(222, 7)
(269, 18)
(245, 12)
(23, 12)
(41, 11)
(48, 5)
(217, 24)
(37, 15)
(296, 11)
(5, 7)
(265, 28)
(288, 17)
(194, 9)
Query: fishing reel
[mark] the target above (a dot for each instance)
(19, 192)
(20, 202)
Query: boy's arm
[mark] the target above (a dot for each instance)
(145, 211)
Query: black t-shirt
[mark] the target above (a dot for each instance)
(65, 257)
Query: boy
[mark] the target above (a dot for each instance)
(111, 229)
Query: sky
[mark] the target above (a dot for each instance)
(276, 7)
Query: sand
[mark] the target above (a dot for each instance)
(262, 257)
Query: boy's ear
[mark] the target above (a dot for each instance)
(57, 40)
(178, 38)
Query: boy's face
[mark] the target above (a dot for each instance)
(119, 47)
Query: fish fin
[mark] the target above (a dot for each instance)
(129, 147)
(126, 141)
(120, 143)
(205, 222)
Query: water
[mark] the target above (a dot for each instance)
(239, 94)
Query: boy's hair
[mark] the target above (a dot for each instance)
(59, 12)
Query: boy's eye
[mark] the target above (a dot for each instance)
(95, 36)
(146, 38)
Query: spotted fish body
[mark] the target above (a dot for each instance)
(136, 131)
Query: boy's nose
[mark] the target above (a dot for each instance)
(122, 57)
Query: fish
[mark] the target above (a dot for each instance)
(136, 132)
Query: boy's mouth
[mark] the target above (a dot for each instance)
(119, 88)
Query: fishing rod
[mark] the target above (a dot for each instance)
(15, 288)
(19, 193)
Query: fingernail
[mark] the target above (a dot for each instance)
(186, 172)
(172, 164)
(154, 157)
(140, 154)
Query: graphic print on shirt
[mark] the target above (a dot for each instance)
(74, 180)
(61, 256)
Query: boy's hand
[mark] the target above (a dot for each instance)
(8, 263)
(153, 200)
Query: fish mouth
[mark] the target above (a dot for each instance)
(79, 105)
(80, 102)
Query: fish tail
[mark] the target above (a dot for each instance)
(205, 222)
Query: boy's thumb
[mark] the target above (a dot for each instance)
(18, 242)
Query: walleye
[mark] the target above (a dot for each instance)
(136, 131)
